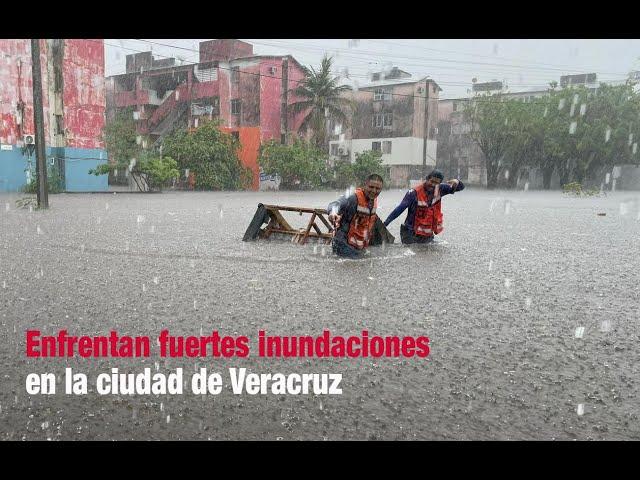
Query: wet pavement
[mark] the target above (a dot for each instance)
(531, 302)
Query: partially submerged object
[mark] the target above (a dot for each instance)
(277, 226)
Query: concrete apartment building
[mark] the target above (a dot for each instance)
(248, 93)
(394, 114)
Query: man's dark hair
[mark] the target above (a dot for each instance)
(435, 173)
(376, 177)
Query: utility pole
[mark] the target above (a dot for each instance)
(38, 116)
(284, 112)
(426, 129)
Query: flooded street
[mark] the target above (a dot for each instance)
(530, 300)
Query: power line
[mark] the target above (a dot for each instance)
(304, 81)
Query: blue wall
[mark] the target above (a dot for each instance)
(77, 161)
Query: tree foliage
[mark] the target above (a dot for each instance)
(120, 137)
(320, 98)
(211, 155)
(149, 172)
(300, 165)
(366, 163)
(576, 132)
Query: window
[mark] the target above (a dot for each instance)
(235, 74)
(381, 94)
(235, 107)
(382, 120)
(334, 149)
(375, 77)
(386, 147)
(375, 146)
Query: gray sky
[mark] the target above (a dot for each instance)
(524, 64)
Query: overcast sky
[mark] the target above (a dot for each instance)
(523, 64)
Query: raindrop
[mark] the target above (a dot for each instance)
(607, 178)
(605, 326)
(624, 209)
(44, 425)
(579, 332)
(157, 365)
(546, 110)
(506, 174)
(192, 263)
(561, 104)
(607, 135)
(583, 109)
(320, 405)
(527, 302)
(161, 407)
(168, 418)
(99, 220)
(572, 128)
(30, 209)
(490, 264)
(144, 287)
(140, 219)
(195, 304)
(364, 304)
(323, 252)
(635, 148)
(315, 249)
(82, 248)
(106, 206)
(177, 95)
(6, 207)
(39, 230)
(580, 409)
(126, 246)
(220, 211)
(630, 138)
(576, 98)
(4, 284)
(408, 253)
(573, 109)
(156, 280)
(526, 186)
(152, 229)
(134, 414)
(507, 283)
(507, 207)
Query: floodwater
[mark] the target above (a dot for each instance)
(530, 301)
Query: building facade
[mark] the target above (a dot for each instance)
(74, 112)
(395, 115)
(248, 93)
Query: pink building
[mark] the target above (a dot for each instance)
(229, 82)
(73, 105)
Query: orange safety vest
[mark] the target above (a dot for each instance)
(363, 221)
(428, 219)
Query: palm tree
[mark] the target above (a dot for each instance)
(320, 97)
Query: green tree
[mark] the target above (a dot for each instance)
(356, 173)
(211, 155)
(149, 172)
(320, 98)
(489, 116)
(120, 137)
(300, 165)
